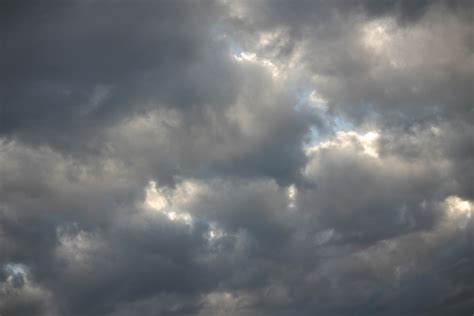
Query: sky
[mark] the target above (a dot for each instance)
(249, 157)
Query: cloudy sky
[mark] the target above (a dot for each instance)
(255, 157)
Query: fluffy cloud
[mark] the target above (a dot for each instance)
(236, 158)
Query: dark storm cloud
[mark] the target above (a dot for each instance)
(76, 69)
(236, 158)
(85, 63)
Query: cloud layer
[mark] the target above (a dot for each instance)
(236, 158)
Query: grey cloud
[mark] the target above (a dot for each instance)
(271, 258)
(80, 69)
(260, 134)
(371, 66)
(84, 64)
(195, 158)
(375, 200)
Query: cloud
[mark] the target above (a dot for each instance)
(364, 60)
(236, 158)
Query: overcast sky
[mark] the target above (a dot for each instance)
(255, 158)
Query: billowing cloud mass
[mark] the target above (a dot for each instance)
(220, 157)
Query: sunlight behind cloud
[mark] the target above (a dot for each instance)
(171, 202)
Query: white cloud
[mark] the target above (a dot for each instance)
(350, 140)
(172, 202)
(458, 211)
